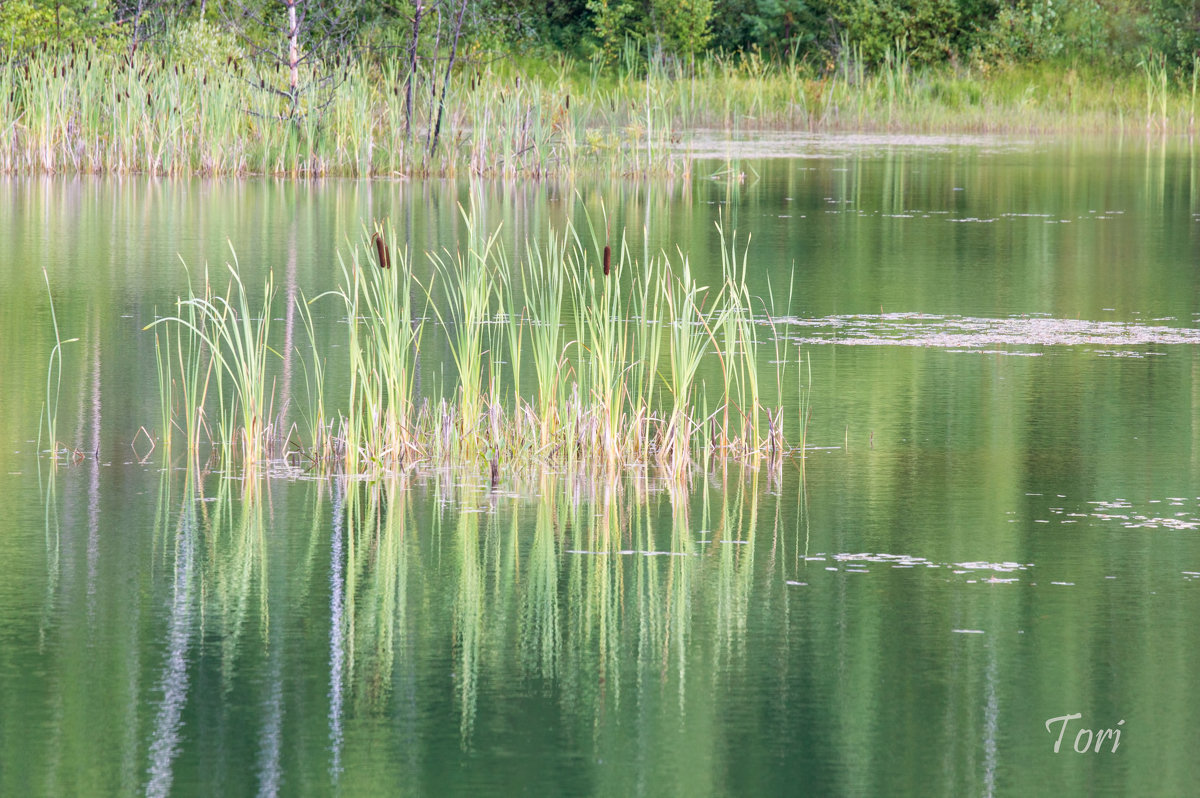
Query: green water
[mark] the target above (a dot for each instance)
(996, 522)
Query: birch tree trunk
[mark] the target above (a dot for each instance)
(293, 37)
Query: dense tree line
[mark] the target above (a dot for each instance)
(1106, 32)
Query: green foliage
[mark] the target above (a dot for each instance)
(610, 20)
(203, 44)
(953, 93)
(1085, 29)
(1172, 28)
(565, 24)
(1027, 31)
(779, 25)
(26, 24)
(930, 29)
(1112, 33)
(674, 28)
(681, 27)
(775, 26)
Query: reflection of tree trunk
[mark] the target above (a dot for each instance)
(991, 724)
(174, 682)
(437, 126)
(93, 545)
(337, 627)
(270, 745)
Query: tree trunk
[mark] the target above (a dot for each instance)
(293, 53)
(412, 68)
(437, 127)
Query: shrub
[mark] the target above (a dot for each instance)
(25, 25)
(929, 28)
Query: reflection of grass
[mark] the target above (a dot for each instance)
(541, 615)
(469, 606)
(616, 360)
(604, 594)
(236, 566)
(377, 571)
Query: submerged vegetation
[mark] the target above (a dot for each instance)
(577, 352)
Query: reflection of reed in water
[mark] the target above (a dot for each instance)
(540, 615)
(53, 541)
(607, 593)
(380, 567)
(468, 618)
(234, 567)
(594, 590)
(734, 541)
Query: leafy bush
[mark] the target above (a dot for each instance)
(673, 28)
(681, 27)
(929, 28)
(782, 27)
(611, 21)
(1027, 31)
(25, 25)
(201, 43)
(1172, 27)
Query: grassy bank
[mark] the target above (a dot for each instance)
(86, 110)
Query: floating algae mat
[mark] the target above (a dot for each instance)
(965, 333)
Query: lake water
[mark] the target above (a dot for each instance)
(996, 522)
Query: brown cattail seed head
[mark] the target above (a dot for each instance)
(381, 250)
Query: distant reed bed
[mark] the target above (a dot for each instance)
(573, 353)
(87, 109)
(84, 109)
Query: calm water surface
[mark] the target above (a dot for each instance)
(996, 522)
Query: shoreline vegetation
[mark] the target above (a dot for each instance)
(572, 354)
(85, 109)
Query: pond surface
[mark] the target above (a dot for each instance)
(996, 523)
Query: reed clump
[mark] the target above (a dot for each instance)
(541, 359)
(87, 109)
(49, 417)
(213, 372)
